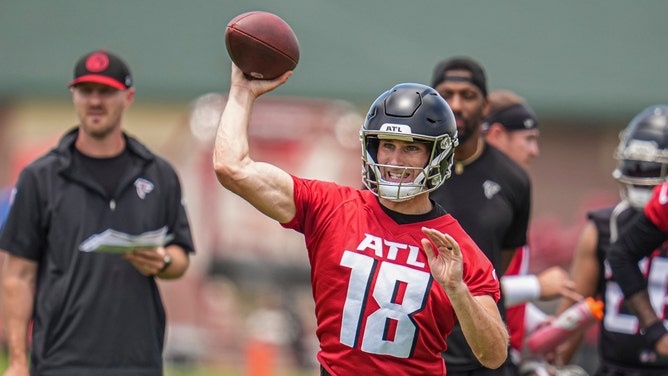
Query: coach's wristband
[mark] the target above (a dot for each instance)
(654, 332)
(519, 289)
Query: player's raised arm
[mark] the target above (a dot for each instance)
(265, 186)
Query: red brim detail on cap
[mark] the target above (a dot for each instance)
(104, 80)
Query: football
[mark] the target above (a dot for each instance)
(261, 44)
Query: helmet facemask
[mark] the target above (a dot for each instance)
(642, 156)
(429, 178)
(638, 177)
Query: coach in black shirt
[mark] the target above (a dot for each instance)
(93, 312)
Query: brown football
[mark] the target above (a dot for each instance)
(262, 44)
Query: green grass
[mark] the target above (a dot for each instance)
(200, 370)
(222, 371)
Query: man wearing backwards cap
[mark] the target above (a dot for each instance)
(488, 193)
(511, 126)
(94, 312)
(513, 129)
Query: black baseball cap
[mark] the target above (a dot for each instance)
(514, 118)
(478, 77)
(102, 67)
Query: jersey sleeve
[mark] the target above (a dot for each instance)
(314, 199)
(24, 233)
(302, 197)
(657, 208)
(479, 274)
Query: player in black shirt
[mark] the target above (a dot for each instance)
(488, 193)
(642, 157)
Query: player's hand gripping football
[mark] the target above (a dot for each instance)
(256, 87)
(446, 260)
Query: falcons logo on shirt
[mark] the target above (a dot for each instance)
(490, 188)
(143, 187)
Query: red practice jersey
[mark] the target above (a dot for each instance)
(519, 265)
(657, 208)
(378, 309)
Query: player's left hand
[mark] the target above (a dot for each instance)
(444, 258)
(148, 261)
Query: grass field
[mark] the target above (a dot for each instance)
(192, 370)
(210, 371)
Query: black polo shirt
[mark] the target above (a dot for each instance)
(94, 313)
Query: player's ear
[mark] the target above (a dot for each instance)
(495, 132)
(129, 96)
(487, 107)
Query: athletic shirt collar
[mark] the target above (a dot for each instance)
(403, 219)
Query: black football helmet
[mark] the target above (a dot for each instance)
(409, 112)
(642, 155)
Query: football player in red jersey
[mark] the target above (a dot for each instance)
(612, 243)
(646, 294)
(391, 271)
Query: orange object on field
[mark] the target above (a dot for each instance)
(260, 358)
